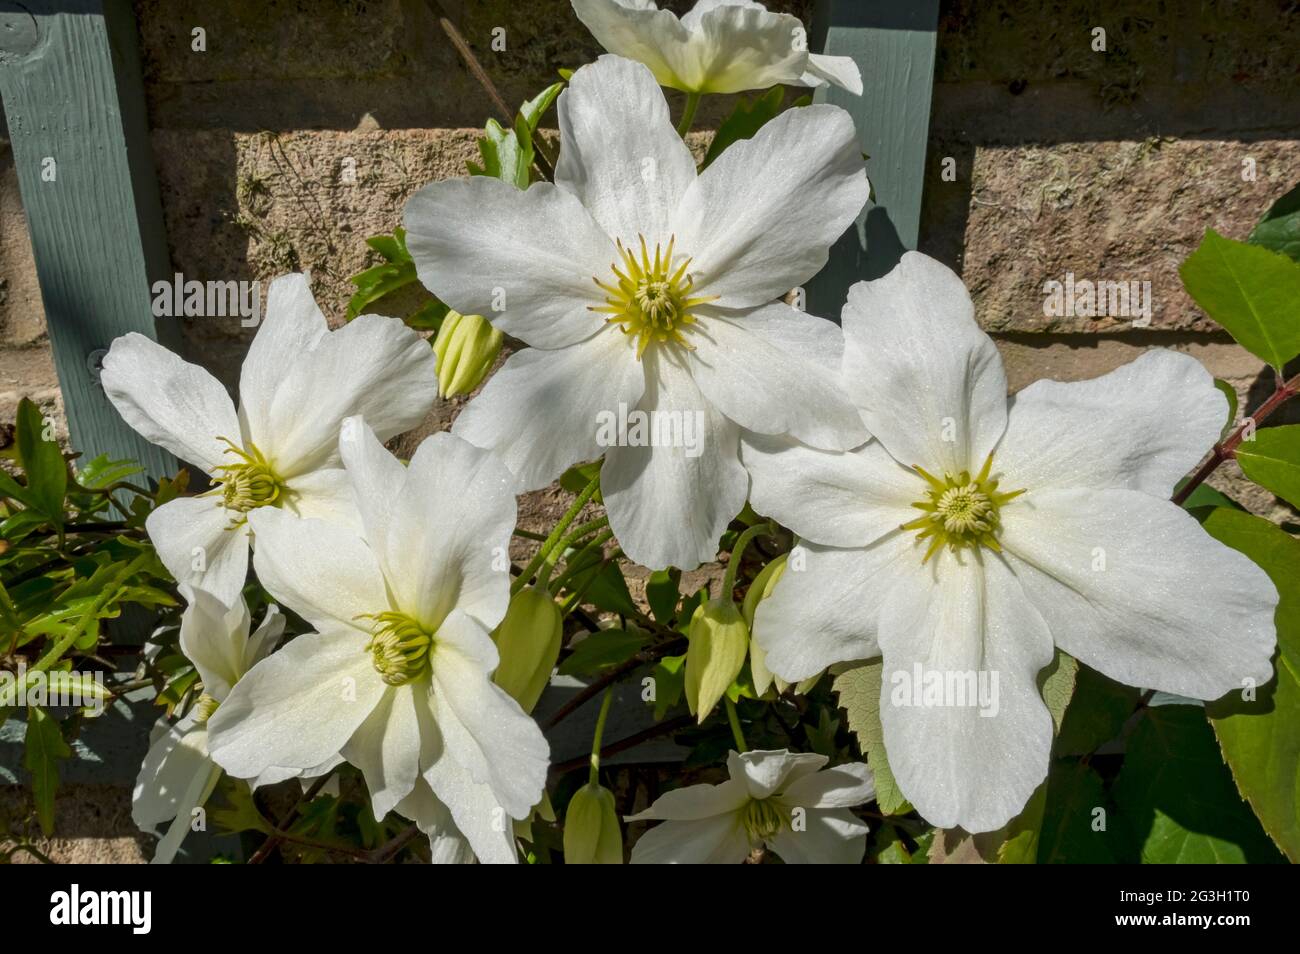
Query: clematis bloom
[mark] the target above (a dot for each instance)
(976, 534)
(298, 382)
(786, 801)
(397, 677)
(648, 294)
(720, 46)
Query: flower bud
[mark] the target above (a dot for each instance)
(760, 590)
(591, 832)
(718, 641)
(528, 641)
(466, 347)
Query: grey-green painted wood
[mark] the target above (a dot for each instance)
(72, 94)
(893, 43)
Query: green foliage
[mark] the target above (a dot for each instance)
(1249, 290)
(1279, 230)
(395, 273)
(1272, 460)
(746, 119)
(508, 154)
(859, 695)
(45, 748)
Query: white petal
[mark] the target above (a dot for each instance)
(196, 542)
(767, 771)
(773, 370)
(834, 837)
(525, 260)
(375, 478)
(640, 31)
(718, 840)
(740, 46)
(619, 153)
(292, 324)
(843, 786)
(265, 638)
(372, 366)
(213, 636)
(174, 759)
(476, 811)
(447, 846)
(386, 748)
(541, 411)
(169, 402)
(451, 525)
(835, 499)
(966, 761)
(761, 218)
(1135, 588)
(693, 802)
(196, 793)
(928, 381)
(323, 572)
(1115, 430)
(487, 733)
(828, 612)
(298, 707)
(324, 494)
(839, 70)
(666, 507)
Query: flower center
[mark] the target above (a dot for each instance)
(249, 483)
(649, 298)
(400, 648)
(960, 510)
(762, 819)
(205, 708)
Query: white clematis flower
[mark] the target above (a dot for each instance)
(976, 533)
(648, 294)
(178, 774)
(298, 382)
(397, 676)
(720, 46)
(778, 799)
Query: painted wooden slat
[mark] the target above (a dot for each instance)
(893, 43)
(74, 101)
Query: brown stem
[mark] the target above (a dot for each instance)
(652, 654)
(387, 851)
(1226, 448)
(279, 834)
(622, 745)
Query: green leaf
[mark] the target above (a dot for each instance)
(1069, 832)
(1250, 291)
(859, 693)
(1260, 739)
(1279, 229)
(577, 477)
(746, 119)
(600, 583)
(43, 463)
(1097, 713)
(1272, 460)
(1176, 799)
(533, 110)
(397, 271)
(602, 650)
(504, 157)
(1231, 394)
(670, 683)
(1056, 685)
(44, 750)
(661, 593)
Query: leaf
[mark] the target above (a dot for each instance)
(101, 472)
(1279, 229)
(602, 650)
(1230, 393)
(859, 694)
(1250, 291)
(746, 119)
(1175, 797)
(1261, 739)
(600, 583)
(1205, 496)
(504, 156)
(42, 460)
(1067, 835)
(1056, 685)
(670, 683)
(397, 271)
(1096, 715)
(661, 593)
(533, 110)
(577, 477)
(45, 748)
(1272, 460)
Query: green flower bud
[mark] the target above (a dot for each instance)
(528, 640)
(466, 347)
(760, 590)
(718, 641)
(591, 832)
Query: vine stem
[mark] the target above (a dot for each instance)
(555, 536)
(737, 552)
(688, 114)
(733, 718)
(571, 539)
(1227, 448)
(593, 774)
